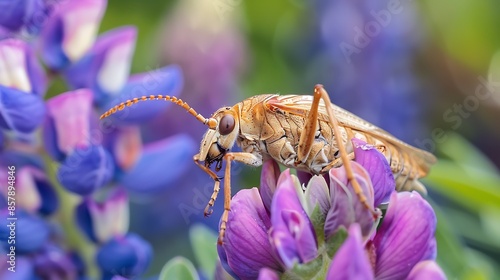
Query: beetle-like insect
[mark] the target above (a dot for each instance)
(304, 132)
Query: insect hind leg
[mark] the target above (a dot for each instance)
(320, 93)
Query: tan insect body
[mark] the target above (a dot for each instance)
(298, 131)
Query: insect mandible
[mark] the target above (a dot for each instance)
(304, 132)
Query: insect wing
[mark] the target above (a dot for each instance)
(301, 104)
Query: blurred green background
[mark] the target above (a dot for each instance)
(287, 46)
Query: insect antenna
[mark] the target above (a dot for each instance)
(210, 122)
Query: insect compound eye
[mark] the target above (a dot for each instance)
(226, 125)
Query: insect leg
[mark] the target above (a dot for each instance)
(320, 93)
(208, 208)
(335, 162)
(246, 158)
(307, 136)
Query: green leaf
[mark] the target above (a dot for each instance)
(466, 155)
(335, 241)
(178, 268)
(464, 186)
(318, 222)
(204, 240)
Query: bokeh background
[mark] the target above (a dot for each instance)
(426, 71)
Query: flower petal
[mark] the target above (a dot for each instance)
(27, 196)
(127, 256)
(109, 218)
(317, 193)
(268, 274)
(24, 268)
(54, 263)
(20, 111)
(377, 167)
(69, 118)
(268, 180)
(405, 235)
(70, 31)
(106, 67)
(160, 164)
(83, 219)
(14, 15)
(86, 170)
(165, 81)
(246, 243)
(351, 261)
(19, 67)
(426, 270)
(31, 232)
(346, 206)
(127, 146)
(292, 232)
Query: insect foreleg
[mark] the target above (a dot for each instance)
(208, 208)
(246, 158)
(320, 93)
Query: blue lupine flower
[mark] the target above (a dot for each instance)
(52, 262)
(19, 111)
(31, 232)
(148, 174)
(126, 256)
(101, 221)
(86, 165)
(24, 268)
(106, 66)
(34, 193)
(317, 216)
(19, 68)
(69, 32)
(86, 150)
(86, 170)
(15, 15)
(165, 81)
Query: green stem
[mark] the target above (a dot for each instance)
(75, 240)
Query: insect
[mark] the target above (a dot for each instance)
(304, 132)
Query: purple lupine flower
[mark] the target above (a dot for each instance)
(405, 237)
(69, 32)
(426, 270)
(351, 260)
(340, 226)
(292, 232)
